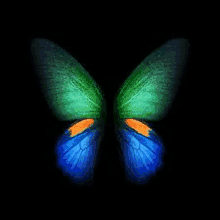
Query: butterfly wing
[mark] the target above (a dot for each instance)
(142, 154)
(69, 90)
(149, 91)
(76, 154)
(148, 94)
(71, 94)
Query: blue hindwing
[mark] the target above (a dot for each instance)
(76, 155)
(142, 155)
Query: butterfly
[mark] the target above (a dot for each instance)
(73, 95)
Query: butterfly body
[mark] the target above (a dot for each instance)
(72, 94)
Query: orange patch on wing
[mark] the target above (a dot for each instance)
(138, 126)
(80, 126)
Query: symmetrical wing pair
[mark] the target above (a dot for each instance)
(72, 94)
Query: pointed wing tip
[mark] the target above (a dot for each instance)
(39, 41)
(184, 42)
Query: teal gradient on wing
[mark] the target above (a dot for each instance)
(151, 88)
(69, 90)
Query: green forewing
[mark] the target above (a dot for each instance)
(70, 91)
(150, 89)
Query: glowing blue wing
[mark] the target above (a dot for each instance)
(76, 155)
(142, 155)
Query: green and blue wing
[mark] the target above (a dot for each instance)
(148, 94)
(71, 94)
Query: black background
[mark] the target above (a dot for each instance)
(109, 54)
